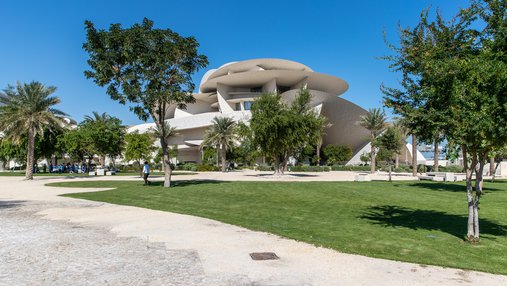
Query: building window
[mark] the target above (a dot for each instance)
(256, 89)
(238, 105)
(248, 105)
(282, 89)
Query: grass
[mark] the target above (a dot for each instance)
(420, 222)
(22, 174)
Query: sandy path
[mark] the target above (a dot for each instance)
(223, 249)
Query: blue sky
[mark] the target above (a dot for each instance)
(42, 40)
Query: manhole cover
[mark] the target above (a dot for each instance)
(264, 256)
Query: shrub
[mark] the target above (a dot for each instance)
(452, 169)
(264, 168)
(207, 168)
(402, 169)
(337, 153)
(186, 167)
(309, 168)
(350, 168)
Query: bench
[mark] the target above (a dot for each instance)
(91, 173)
(110, 173)
(362, 177)
(432, 178)
(448, 177)
(460, 177)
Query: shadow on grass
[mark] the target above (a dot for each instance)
(449, 187)
(184, 183)
(10, 204)
(395, 216)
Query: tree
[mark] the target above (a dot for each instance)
(159, 155)
(150, 68)
(139, 147)
(424, 118)
(374, 121)
(223, 133)
(78, 143)
(459, 76)
(365, 158)
(389, 143)
(282, 131)
(107, 134)
(10, 151)
(164, 134)
(46, 145)
(247, 151)
(336, 154)
(404, 130)
(28, 109)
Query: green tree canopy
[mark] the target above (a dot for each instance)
(282, 131)
(107, 134)
(335, 154)
(453, 81)
(147, 67)
(139, 147)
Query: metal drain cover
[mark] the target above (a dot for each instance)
(264, 256)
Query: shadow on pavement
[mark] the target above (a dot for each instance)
(10, 204)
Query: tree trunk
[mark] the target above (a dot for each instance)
(319, 143)
(166, 162)
(469, 171)
(414, 155)
(435, 156)
(223, 152)
(89, 163)
(277, 166)
(390, 179)
(492, 168)
(141, 169)
(397, 161)
(317, 162)
(218, 155)
(478, 192)
(494, 172)
(281, 164)
(372, 154)
(30, 154)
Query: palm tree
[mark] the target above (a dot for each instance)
(165, 133)
(375, 121)
(401, 125)
(223, 134)
(26, 110)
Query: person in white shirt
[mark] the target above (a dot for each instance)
(146, 173)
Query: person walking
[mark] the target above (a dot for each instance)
(146, 172)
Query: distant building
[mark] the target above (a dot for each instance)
(231, 89)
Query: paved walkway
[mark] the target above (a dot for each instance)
(52, 240)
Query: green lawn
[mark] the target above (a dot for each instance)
(421, 222)
(18, 173)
